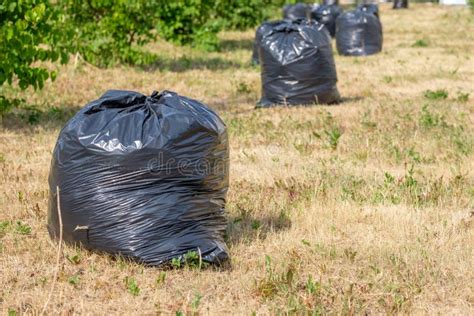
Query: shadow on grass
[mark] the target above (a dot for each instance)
(350, 99)
(185, 63)
(27, 118)
(248, 229)
(231, 45)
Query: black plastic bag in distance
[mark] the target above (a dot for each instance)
(327, 15)
(371, 8)
(358, 34)
(400, 4)
(296, 11)
(297, 65)
(144, 177)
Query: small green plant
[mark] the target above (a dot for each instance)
(414, 155)
(160, 280)
(176, 263)
(3, 226)
(193, 260)
(11, 312)
(420, 43)
(274, 283)
(462, 97)
(196, 301)
(243, 87)
(429, 119)
(366, 120)
(350, 254)
(21, 196)
(387, 79)
(313, 287)
(132, 286)
(333, 135)
(73, 280)
(439, 94)
(74, 259)
(409, 180)
(22, 228)
(389, 179)
(256, 224)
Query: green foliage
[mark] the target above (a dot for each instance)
(196, 301)
(107, 30)
(439, 94)
(420, 43)
(132, 286)
(176, 263)
(333, 135)
(22, 228)
(30, 31)
(275, 283)
(429, 119)
(189, 22)
(7, 104)
(74, 259)
(240, 15)
(73, 280)
(190, 260)
(463, 96)
(160, 280)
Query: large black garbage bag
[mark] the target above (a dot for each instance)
(400, 4)
(371, 8)
(296, 11)
(297, 65)
(261, 30)
(327, 15)
(358, 34)
(143, 177)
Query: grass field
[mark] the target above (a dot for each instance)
(367, 206)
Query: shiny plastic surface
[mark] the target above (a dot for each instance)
(371, 8)
(327, 14)
(296, 11)
(143, 177)
(297, 65)
(358, 34)
(261, 30)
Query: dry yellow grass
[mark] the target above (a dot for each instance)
(377, 220)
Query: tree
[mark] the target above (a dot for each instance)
(29, 33)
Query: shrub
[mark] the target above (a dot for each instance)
(186, 22)
(30, 31)
(106, 31)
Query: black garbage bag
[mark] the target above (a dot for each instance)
(400, 4)
(358, 34)
(330, 2)
(143, 177)
(296, 11)
(261, 30)
(297, 65)
(371, 8)
(327, 15)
